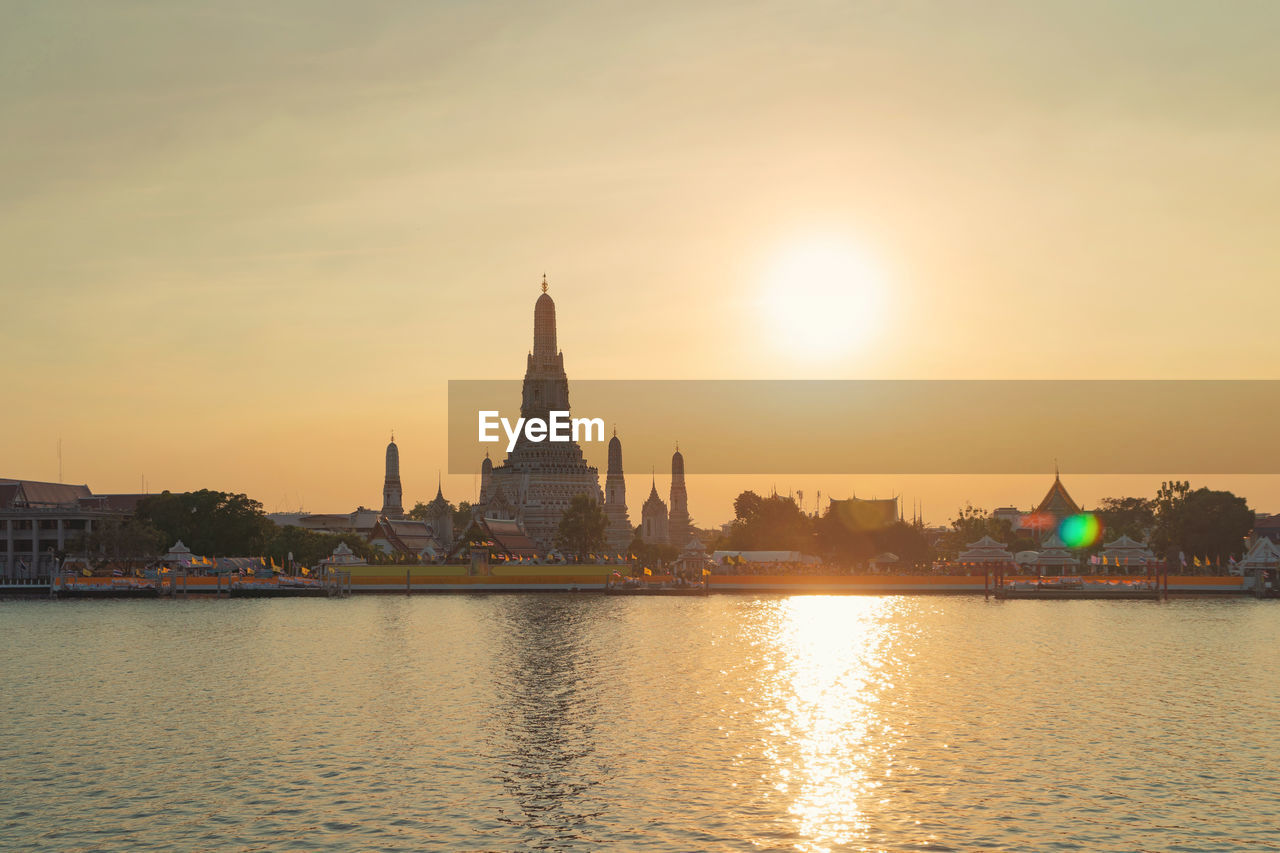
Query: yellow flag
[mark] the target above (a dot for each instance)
(1196, 560)
(706, 572)
(647, 572)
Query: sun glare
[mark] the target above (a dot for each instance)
(821, 298)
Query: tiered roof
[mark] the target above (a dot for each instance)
(986, 550)
(1264, 554)
(1125, 551)
(1054, 554)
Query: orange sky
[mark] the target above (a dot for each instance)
(244, 241)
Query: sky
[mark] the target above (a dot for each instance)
(242, 242)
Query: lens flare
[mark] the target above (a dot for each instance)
(1080, 531)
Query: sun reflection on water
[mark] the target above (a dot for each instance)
(830, 748)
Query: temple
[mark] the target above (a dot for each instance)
(678, 527)
(618, 534)
(1056, 505)
(535, 483)
(392, 502)
(653, 519)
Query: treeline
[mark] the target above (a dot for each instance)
(1176, 521)
(776, 523)
(215, 524)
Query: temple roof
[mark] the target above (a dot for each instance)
(1057, 502)
(508, 536)
(654, 500)
(405, 535)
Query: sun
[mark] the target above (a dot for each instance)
(821, 297)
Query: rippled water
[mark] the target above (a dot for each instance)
(570, 722)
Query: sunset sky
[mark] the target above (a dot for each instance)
(244, 241)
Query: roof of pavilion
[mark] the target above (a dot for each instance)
(1264, 554)
(1055, 553)
(986, 550)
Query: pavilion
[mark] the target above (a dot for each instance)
(986, 551)
(1126, 554)
(1056, 559)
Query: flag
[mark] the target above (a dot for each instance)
(619, 556)
(706, 572)
(305, 570)
(633, 556)
(1197, 561)
(647, 572)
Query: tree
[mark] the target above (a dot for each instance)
(462, 515)
(1132, 517)
(310, 546)
(582, 527)
(1200, 523)
(211, 523)
(971, 524)
(651, 555)
(115, 540)
(774, 523)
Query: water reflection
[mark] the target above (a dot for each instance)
(830, 746)
(547, 709)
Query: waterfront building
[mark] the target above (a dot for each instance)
(986, 551)
(39, 522)
(678, 527)
(1126, 554)
(392, 500)
(407, 537)
(654, 522)
(504, 537)
(536, 482)
(693, 559)
(1263, 555)
(1055, 559)
(618, 533)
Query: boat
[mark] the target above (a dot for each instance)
(633, 586)
(1077, 588)
(282, 588)
(117, 588)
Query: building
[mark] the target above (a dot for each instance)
(654, 522)
(618, 533)
(1056, 505)
(40, 522)
(858, 514)
(439, 516)
(407, 537)
(1267, 526)
(392, 499)
(536, 482)
(678, 527)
